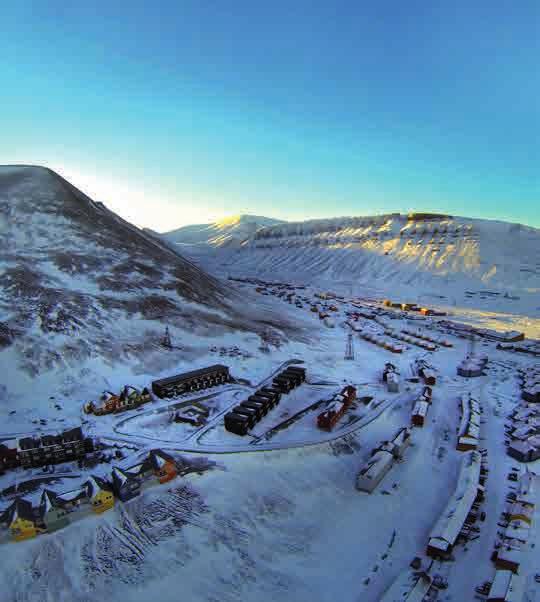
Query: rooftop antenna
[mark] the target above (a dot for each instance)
(349, 349)
(166, 341)
(472, 345)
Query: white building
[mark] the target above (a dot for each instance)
(506, 587)
(444, 534)
(374, 470)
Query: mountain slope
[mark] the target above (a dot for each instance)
(390, 250)
(228, 232)
(78, 283)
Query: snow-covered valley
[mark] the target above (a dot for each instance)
(277, 513)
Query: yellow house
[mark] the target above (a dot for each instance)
(100, 494)
(21, 520)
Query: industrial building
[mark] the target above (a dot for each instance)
(382, 460)
(445, 533)
(53, 449)
(191, 381)
(337, 408)
(469, 427)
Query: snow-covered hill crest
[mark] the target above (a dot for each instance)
(78, 283)
(228, 232)
(419, 250)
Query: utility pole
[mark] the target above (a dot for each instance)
(349, 349)
(472, 346)
(166, 341)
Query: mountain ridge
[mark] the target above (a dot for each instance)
(423, 251)
(78, 284)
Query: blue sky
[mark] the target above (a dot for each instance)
(181, 112)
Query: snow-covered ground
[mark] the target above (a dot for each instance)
(276, 514)
(284, 523)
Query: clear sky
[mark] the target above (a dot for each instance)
(188, 111)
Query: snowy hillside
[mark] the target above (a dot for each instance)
(79, 284)
(228, 232)
(450, 253)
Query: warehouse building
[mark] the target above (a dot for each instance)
(445, 533)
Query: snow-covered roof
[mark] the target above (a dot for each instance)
(527, 488)
(459, 505)
(376, 464)
(524, 431)
(521, 508)
(526, 412)
(420, 408)
(401, 436)
(408, 587)
(69, 496)
(500, 585)
(511, 551)
(120, 475)
(518, 529)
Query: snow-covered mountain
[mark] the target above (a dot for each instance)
(79, 284)
(228, 232)
(419, 252)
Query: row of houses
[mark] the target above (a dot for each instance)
(524, 433)
(31, 452)
(382, 459)
(531, 347)
(21, 520)
(421, 407)
(412, 340)
(425, 311)
(469, 427)
(376, 339)
(111, 403)
(530, 383)
(461, 510)
(510, 549)
(466, 330)
(419, 334)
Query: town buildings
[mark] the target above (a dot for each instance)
(53, 449)
(445, 533)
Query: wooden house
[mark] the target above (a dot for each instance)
(20, 519)
(100, 494)
(74, 499)
(419, 413)
(163, 465)
(8, 455)
(527, 450)
(509, 555)
(126, 484)
(53, 513)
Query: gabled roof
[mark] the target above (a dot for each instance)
(96, 484)
(72, 496)
(159, 458)
(49, 499)
(120, 476)
(19, 508)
